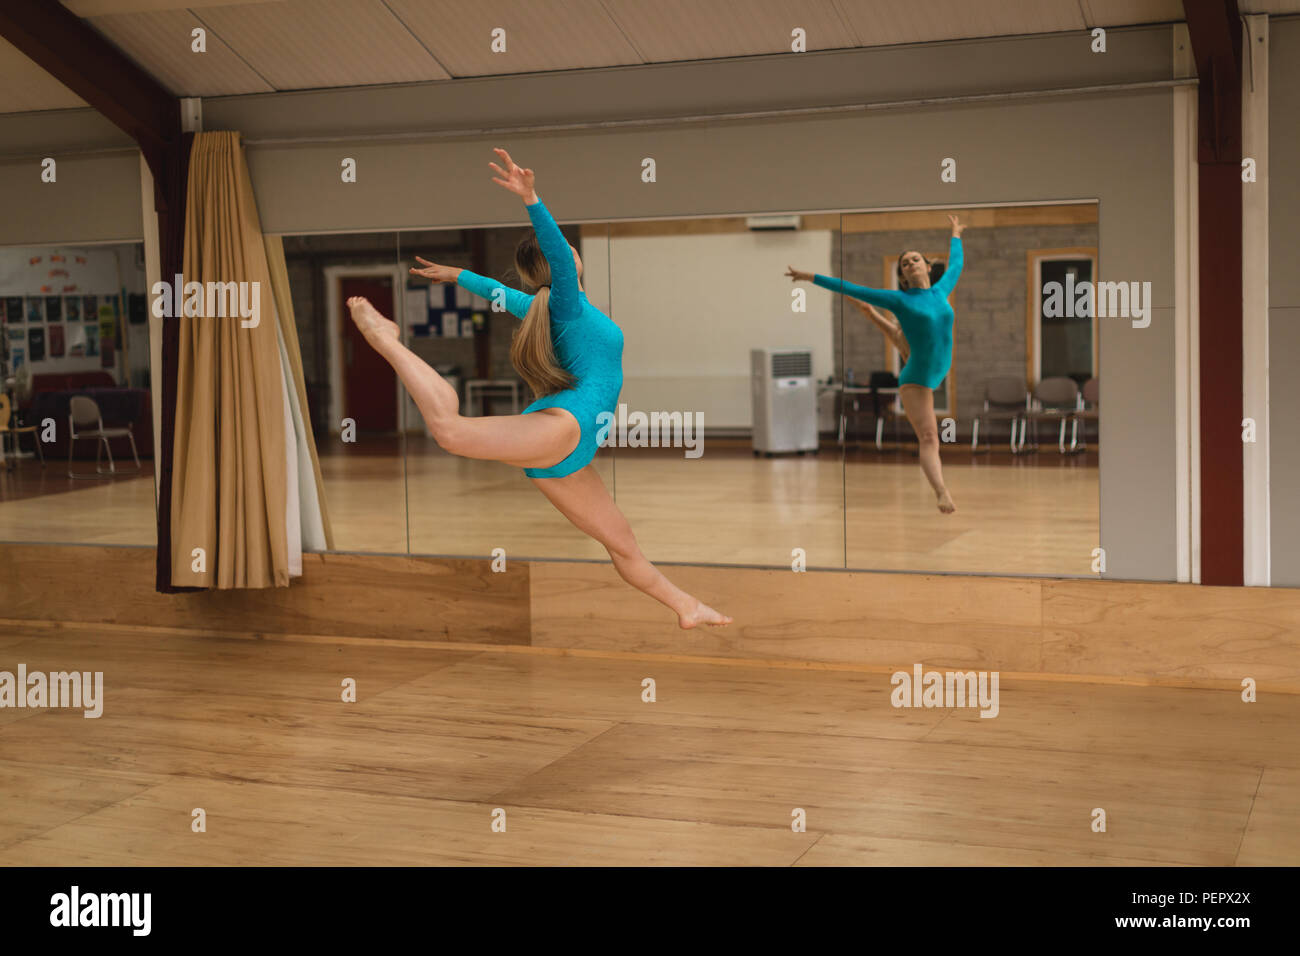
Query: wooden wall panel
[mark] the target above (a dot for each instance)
(1077, 630)
(1172, 631)
(839, 617)
(381, 596)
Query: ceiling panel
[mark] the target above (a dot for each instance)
(541, 35)
(307, 44)
(160, 42)
(26, 86)
(883, 22)
(260, 46)
(99, 8)
(668, 30)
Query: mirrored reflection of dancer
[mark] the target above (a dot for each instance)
(888, 325)
(570, 354)
(926, 321)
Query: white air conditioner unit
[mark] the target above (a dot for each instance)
(784, 394)
(759, 223)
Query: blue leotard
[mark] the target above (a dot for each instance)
(587, 342)
(924, 315)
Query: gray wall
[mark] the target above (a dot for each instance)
(97, 195)
(1284, 298)
(96, 198)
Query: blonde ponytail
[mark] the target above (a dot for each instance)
(532, 352)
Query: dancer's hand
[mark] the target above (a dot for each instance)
(957, 227)
(798, 276)
(514, 178)
(435, 272)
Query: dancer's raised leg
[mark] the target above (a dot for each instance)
(918, 403)
(583, 498)
(539, 440)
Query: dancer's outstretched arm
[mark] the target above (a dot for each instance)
(516, 302)
(952, 269)
(564, 302)
(893, 331)
(885, 298)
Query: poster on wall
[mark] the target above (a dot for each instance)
(76, 340)
(17, 357)
(36, 344)
(107, 319)
(45, 270)
(61, 292)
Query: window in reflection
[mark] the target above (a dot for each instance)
(74, 394)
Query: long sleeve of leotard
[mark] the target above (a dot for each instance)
(516, 302)
(885, 298)
(564, 302)
(952, 270)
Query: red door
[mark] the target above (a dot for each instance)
(369, 382)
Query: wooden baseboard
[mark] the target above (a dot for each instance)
(1108, 631)
(379, 596)
(1169, 634)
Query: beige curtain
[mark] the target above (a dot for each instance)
(236, 500)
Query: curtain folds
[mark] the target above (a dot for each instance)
(246, 482)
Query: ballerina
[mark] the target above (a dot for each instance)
(570, 354)
(925, 319)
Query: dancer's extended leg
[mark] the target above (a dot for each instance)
(583, 498)
(918, 403)
(539, 440)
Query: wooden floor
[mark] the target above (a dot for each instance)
(1034, 516)
(254, 733)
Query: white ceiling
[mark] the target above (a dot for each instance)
(263, 46)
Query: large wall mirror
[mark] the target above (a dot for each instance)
(762, 421)
(76, 423)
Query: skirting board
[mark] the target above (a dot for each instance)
(1173, 634)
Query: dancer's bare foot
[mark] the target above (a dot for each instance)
(945, 503)
(702, 614)
(368, 319)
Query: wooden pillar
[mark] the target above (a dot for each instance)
(1215, 30)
